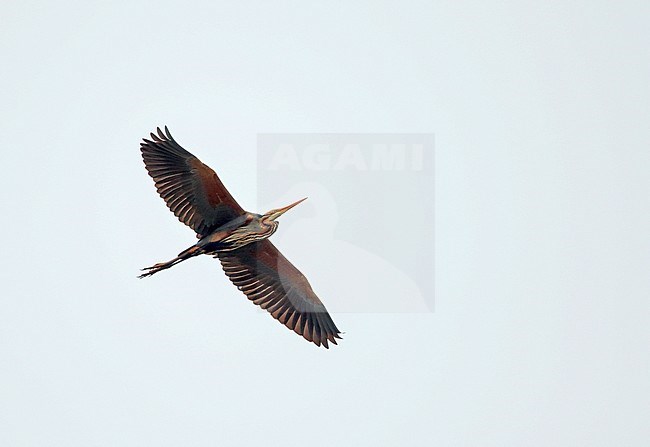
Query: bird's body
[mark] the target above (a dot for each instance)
(241, 231)
(194, 193)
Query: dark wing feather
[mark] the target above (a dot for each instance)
(192, 190)
(269, 280)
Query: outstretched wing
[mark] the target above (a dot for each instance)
(192, 190)
(269, 280)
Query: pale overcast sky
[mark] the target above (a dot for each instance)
(540, 331)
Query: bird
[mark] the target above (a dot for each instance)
(237, 238)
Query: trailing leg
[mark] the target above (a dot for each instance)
(186, 254)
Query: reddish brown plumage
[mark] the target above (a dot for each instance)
(269, 280)
(196, 195)
(192, 191)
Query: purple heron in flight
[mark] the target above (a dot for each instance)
(238, 238)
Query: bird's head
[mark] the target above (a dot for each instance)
(255, 227)
(274, 214)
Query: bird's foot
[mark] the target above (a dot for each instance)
(153, 269)
(149, 273)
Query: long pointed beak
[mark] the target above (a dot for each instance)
(274, 214)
